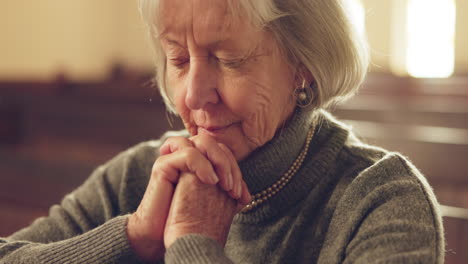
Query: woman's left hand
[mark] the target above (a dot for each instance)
(199, 208)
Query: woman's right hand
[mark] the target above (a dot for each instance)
(200, 155)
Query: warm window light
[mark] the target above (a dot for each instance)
(357, 15)
(431, 37)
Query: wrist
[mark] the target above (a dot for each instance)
(145, 247)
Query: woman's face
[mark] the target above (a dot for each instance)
(226, 79)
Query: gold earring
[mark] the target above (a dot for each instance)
(303, 95)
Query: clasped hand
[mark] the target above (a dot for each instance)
(196, 187)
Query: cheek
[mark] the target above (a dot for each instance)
(266, 96)
(176, 88)
(241, 99)
(177, 93)
(260, 107)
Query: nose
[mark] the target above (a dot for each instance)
(201, 84)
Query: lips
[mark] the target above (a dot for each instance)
(214, 129)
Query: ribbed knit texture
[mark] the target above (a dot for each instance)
(104, 244)
(348, 203)
(195, 249)
(110, 250)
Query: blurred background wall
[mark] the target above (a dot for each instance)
(80, 38)
(74, 91)
(85, 38)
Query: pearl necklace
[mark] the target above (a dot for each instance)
(261, 197)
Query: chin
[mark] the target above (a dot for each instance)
(240, 149)
(239, 154)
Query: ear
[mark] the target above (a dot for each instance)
(301, 74)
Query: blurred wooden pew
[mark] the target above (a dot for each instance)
(421, 120)
(427, 121)
(456, 230)
(52, 135)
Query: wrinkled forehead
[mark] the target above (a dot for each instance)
(202, 18)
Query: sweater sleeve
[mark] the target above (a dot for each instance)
(393, 217)
(89, 225)
(196, 249)
(104, 244)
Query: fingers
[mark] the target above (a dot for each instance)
(240, 190)
(245, 197)
(187, 159)
(219, 159)
(210, 149)
(210, 161)
(173, 144)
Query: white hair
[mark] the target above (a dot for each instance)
(315, 34)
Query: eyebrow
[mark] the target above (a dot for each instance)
(175, 42)
(214, 45)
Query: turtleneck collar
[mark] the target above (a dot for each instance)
(267, 164)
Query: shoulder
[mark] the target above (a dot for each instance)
(361, 167)
(386, 189)
(379, 168)
(383, 201)
(378, 206)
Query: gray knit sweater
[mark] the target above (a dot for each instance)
(349, 203)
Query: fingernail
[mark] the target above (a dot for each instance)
(249, 197)
(238, 190)
(229, 183)
(214, 178)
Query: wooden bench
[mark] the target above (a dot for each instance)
(62, 131)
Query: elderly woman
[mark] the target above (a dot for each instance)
(262, 174)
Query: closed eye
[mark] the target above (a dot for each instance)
(179, 62)
(233, 64)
